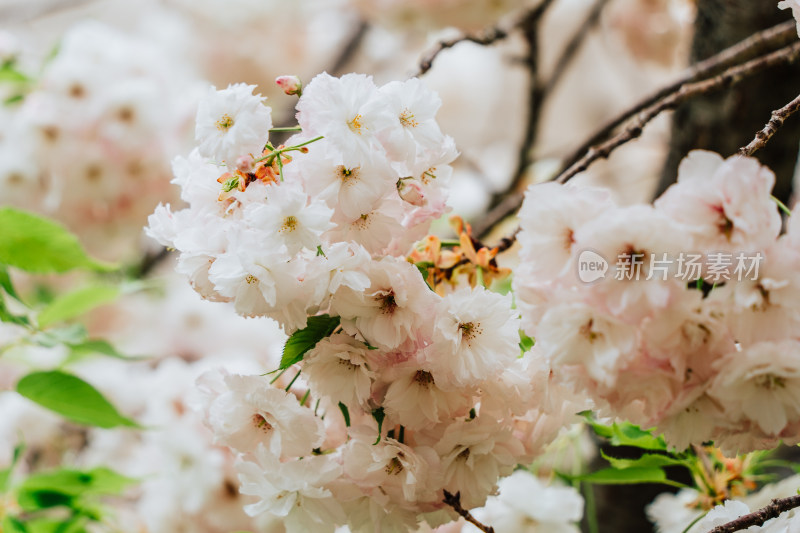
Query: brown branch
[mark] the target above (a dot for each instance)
(773, 510)
(454, 501)
(500, 202)
(776, 121)
(486, 37)
(574, 44)
(756, 44)
(727, 78)
(350, 48)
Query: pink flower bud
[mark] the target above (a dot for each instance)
(245, 163)
(411, 192)
(290, 84)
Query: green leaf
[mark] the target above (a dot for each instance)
(525, 342)
(627, 434)
(648, 460)
(9, 74)
(72, 398)
(98, 346)
(14, 99)
(628, 476)
(378, 414)
(72, 334)
(5, 474)
(6, 284)
(76, 303)
(8, 316)
(11, 525)
(98, 481)
(35, 244)
(305, 339)
(345, 413)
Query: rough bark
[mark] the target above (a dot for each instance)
(725, 121)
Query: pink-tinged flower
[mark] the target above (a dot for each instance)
(349, 111)
(374, 227)
(474, 454)
(337, 368)
(294, 490)
(290, 84)
(231, 123)
(578, 335)
(395, 306)
(414, 399)
(475, 336)
(245, 412)
(405, 474)
(639, 244)
(549, 218)
(761, 384)
(724, 204)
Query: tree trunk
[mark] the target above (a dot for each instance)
(727, 120)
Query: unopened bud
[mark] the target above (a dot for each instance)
(290, 84)
(245, 163)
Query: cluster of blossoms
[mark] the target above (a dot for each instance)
(93, 134)
(708, 353)
(409, 394)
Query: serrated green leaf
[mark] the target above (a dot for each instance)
(648, 460)
(35, 244)
(628, 476)
(305, 339)
(72, 398)
(627, 434)
(76, 303)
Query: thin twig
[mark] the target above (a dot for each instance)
(773, 510)
(771, 38)
(729, 77)
(485, 37)
(574, 44)
(454, 501)
(500, 201)
(776, 121)
(350, 48)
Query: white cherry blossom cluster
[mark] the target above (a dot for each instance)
(702, 357)
(91, 140)
(409, 395)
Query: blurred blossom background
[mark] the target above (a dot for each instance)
(100, 95)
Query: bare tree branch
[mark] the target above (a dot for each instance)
(756, 44)
(350, 48)
(486, 37)
(776, 121)
(538, 92)
(454, 501)
(773, 510)
(729, 77)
